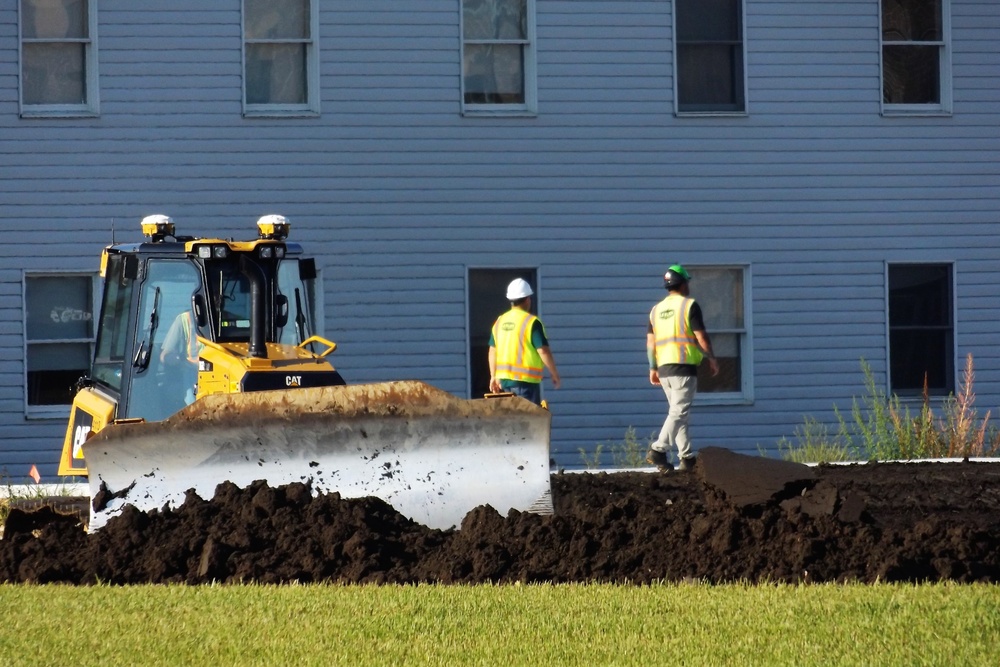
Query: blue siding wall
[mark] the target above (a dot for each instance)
(397, 195)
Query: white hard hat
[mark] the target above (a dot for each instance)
(518, 289)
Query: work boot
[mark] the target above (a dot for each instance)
(686, 463)
(658, 459)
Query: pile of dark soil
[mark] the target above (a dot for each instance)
(734, 518)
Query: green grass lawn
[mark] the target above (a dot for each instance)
(500, 625)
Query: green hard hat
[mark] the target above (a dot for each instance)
(675, 276)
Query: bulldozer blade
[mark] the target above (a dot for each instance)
(432, 456)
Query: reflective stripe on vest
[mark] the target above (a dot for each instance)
(674, 339)
(517, 358)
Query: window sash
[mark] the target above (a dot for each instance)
(280, 58)
(59, 331)
(58, 61)
(915, 58)
(709, 57)
(498, 56)
(920, 328)
(723, 294)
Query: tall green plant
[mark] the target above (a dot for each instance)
(591, 462)
(626, 453)
(882, 427)
(813, 444)
(872, 432)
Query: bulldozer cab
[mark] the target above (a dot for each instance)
(163, 303)
(180, 317)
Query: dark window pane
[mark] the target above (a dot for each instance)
(276, 73)
(487, 301)
(709, 78)
(59, 307)
(494, 74)
(54, 19)
(54, 73)
(911, 20)
(918, 354)
(919, 295)
(53, 387)
(494, 19)
(921, 339)
(276, 19)
(708, 20)
(911, 75)
(728, 353)
(53, 369)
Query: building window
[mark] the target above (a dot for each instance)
(916, 68)
(487, 291)
(280, 58)
(58, 58)
(498, 56)
(59, 337)
(921, 333)
(708, 64)
(721, 291)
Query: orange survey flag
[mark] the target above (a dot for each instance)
(33, 473)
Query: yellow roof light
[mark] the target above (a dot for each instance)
(273, 227)
(157, 226)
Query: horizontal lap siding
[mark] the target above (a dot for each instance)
(397, 194)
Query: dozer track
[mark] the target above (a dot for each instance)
(432, 456)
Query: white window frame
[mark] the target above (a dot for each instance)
(311, 107)
(56, 411)
(691, 113)
(745, 395)
(530, 106)
(92, 106)
(953, 313)
(944, 107)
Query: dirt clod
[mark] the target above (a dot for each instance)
(733, 518)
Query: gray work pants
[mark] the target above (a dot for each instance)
(680, 393)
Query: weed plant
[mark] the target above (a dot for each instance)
(629, 452)
(814, 443)
(882, 427)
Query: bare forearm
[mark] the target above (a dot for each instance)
(704, 343)
(706, 346)
(550, 363)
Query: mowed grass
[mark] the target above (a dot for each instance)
(687, 624)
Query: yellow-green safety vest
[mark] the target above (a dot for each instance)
(517, 358)
(675, 341)
(191, 338)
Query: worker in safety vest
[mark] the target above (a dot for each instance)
(519, 348)
(181, 340)
(676, 343)
(181, 348)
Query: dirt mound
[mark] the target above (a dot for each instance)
(735, 518)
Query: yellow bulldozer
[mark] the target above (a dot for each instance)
(207, 369)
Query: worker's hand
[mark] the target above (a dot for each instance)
(495, 386)
(556, 381)
(654, 376)
(713, 365)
